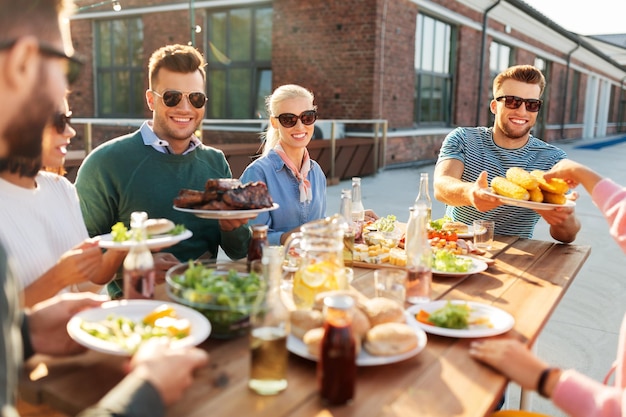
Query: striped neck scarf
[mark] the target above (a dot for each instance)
(301, 176)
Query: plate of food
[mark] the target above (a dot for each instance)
(162, 233)
(461, 229)
(529, 204)
(458, 318)
(448, 264)
(227, 214)
(119, 327)
(364, 358)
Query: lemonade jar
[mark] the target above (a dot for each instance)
(321, 265)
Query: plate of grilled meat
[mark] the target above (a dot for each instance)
(226, 198)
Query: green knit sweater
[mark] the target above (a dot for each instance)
(124, 175)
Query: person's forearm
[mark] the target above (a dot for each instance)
(46, 286)
(452, 191)
(133, 396)
(111, 262)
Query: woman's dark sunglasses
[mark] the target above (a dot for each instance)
(74, 64)
(60, 121)
(171, 98)
(307, 117)
(513, 102)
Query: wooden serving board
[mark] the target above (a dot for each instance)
(361, 264)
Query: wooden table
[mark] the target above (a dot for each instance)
(528, 280)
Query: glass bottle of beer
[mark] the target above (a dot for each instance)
(139, 273)
(345, 211)
(418, 256)
(358, 211)
(423, 196)
(270, 326)
(336, 368)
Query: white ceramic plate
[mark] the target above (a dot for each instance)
(297, 347)
(477, 266)
(134, 310)
(155, 242)
(530, 204)
(227, 214)
(501, 321)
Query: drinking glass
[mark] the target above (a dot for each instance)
(483, 233)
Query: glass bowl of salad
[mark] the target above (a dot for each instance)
(224, 293)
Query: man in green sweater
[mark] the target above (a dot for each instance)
(145, 170)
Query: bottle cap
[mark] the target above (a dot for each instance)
(341, 302)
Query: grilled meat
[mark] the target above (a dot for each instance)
(225, 194)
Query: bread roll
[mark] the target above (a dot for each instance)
(359, 298)
(313, 340)
(458, 227)
(158, 226)
(360, 323)
(383, 310)
(390, 339)
(304, 320)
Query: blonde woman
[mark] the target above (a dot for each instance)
(295, 181)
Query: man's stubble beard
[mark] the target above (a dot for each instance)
(24, 134)
(512, 135)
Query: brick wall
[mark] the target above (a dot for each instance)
(334, 49)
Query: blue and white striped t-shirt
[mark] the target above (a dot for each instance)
(474, 146)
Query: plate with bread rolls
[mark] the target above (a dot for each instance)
(458, 318)
(382, 328)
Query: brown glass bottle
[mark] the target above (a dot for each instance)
(336, 368)
(259, 239)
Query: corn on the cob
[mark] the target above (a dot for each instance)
(506, 188)
(536, 195)
(555, 185)
(553, 198)
(522, 178)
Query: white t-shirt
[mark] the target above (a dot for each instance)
(38, 225)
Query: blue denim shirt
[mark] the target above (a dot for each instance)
(283, 187)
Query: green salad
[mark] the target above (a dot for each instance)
(226, 298)
(446, 261)
(120, 233)
(451, 316)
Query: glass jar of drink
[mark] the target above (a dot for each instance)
(336, 368)
(321, 266)
(258, 241)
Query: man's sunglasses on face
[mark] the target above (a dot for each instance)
(171, 98)
(513, 102)
(74, 65)
(307, 117)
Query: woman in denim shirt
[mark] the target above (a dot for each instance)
(295, 181)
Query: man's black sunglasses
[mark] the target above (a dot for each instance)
(60, 121)
(74, 64)
(307, 117)
(171, 98)
(513, 102)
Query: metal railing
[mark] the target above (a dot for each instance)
(378, 132)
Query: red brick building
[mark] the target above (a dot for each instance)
(424, 66)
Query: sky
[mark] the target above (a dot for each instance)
(585, 17)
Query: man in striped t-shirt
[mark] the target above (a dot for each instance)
(470, 157)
